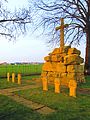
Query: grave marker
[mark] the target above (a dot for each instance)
(19, 78)
(72, 88)
(13, 77)
(8, 76)
(57, 85)
(45, 83)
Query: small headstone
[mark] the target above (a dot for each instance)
(13, 77)
(45, 83)
(8, 76)
(72, 88)
(19, 78)
(57, 85)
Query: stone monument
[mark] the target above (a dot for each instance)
(63, 63)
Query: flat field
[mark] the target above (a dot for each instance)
(24, 69)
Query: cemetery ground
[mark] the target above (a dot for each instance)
(63, 106)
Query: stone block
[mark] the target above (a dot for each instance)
(73, 51)
(72, 83)
(81, 78)
(73, 59)
(61, 68)
(54, 58)
(51, 74)
(72, 76)
(64, 81)
(51, 80)
(57, 81)
(44, 73)
(48, 66)
(56, 51)
(80, 68)
(75, 68)
(63, 75)
(66, 48)
(47, 58)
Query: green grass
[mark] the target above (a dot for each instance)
(26, 80)
(23, 69)
(10, 110)
(87, 84)
(67, 108)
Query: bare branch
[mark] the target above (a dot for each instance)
(13, 24)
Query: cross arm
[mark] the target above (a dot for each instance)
(57, 28)
(60, 27)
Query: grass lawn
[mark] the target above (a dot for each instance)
(67, 108)
(10, 110)
(26, 80)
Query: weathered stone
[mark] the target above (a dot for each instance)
(47, 58)
(72, 76)
(13, 77)
(56, 51)
(80, 78)
(45, 83)
(73, 59)
(73, 51)
(63, 75)
(51, 80)
(44, 73)
(75, 68)
(8, 77)
(54, 58)
(64, 81)
(47, 66)
(61, 67)
(72, 87)
(57, 85)
(66, 48)
(19, 78)
(51, 74)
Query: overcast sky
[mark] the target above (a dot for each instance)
(29, 48)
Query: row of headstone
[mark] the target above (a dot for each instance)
(13, 78)
(57, 84)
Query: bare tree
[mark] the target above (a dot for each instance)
(76, 13)
(12, 24)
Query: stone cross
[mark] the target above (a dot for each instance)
(62, 32)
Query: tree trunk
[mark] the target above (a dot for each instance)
(87, 57)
